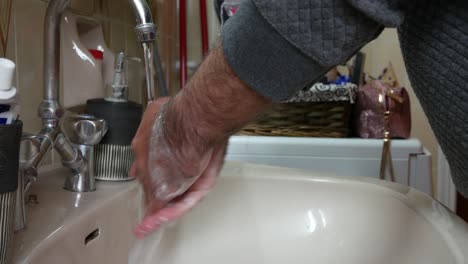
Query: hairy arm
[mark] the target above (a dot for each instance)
(214, 104)
(179, 155)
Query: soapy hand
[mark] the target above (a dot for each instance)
(180, 144)
(176, 169)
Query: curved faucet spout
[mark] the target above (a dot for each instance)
(49, 108)
(142, 12)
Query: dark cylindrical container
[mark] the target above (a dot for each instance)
(10, 137)
(113, 155)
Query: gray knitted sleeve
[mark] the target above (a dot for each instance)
(279, 46)
(434, 41)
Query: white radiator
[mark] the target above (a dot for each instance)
(347, 156)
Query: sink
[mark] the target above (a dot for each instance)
(256, 214)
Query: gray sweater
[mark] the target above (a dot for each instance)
(279, 46)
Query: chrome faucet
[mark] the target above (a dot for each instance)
(51, 136)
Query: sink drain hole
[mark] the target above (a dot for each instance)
(93, 235)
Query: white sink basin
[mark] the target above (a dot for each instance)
(256, 214)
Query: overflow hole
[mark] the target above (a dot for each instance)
(93, 235)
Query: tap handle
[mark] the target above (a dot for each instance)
(30, 149)
(85, 129)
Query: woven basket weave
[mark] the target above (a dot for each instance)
(322, 111)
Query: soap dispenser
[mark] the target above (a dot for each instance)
(118, 91)
(113, 155)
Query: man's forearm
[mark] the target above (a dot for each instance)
(215, 103)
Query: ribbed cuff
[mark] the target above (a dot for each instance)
(262, 58)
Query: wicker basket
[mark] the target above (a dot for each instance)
(321, 111)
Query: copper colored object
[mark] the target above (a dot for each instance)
(370, 112)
